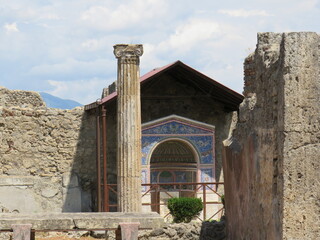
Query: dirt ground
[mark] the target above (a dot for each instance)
(65, 236)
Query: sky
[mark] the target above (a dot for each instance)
(65, 47)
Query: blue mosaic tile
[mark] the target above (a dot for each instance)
(154, 176)
(181, 176)
(144, 179)
(147, 144)
(175, 128)
(204, 144)
(206, 174)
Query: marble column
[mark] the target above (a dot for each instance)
(129, 127)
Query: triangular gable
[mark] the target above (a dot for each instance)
(176, 125)
(222, 93)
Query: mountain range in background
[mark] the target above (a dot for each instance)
(56, 102)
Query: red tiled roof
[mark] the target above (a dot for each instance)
(156, 71)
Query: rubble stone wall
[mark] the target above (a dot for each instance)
(47, 156)
(271, 161)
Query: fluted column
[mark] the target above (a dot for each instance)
(129, 127)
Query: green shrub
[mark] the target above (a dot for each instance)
(223, 200)
(184, 209)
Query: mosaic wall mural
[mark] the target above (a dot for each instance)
(201, 138)
(175, 127)
(144, 178)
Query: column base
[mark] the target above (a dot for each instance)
(129, 230)
(21, 231)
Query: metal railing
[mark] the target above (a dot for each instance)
(170, 190)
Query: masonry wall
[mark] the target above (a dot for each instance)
(47, 156)
(271, 162)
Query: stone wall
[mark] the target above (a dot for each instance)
(194, 230)
(176, 231)
(271, 161)
(47, 156)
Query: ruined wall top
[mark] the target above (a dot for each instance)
(271, 161)
(272, 48)
(19, 98)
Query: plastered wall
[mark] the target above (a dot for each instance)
(271, 161)
(47, 156)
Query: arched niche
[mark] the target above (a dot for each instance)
(184, 138)
(173, 161)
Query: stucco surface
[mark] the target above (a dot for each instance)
(271, 161)
(47, 155)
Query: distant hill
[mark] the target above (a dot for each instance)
(55, 102)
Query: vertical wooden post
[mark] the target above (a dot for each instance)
(105, 172)
(204, 189)
(98, 161)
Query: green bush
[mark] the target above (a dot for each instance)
(184, 209)
(223, 200)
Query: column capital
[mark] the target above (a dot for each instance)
(128, 50)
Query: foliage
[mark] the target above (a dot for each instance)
(223, 200)
(184, 209)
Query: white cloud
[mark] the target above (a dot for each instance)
(307, 5)
(11, 27)
(73, 67)
(150, 58)
(71, 40)
(124, 15)
(84, 91)
(91, 44)
(96, 44)
(192, 33)
(49, 16)
(245, 13)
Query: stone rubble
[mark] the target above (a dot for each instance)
(175, 231)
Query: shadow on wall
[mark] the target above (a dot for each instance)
(79, 184)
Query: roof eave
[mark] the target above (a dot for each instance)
(156, 72)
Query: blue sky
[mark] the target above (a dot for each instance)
(65, 47)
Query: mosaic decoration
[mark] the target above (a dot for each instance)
(181, 176)
(203, 144)
(202, 140)
(154, 176)
(144, 178)
(206, 174)
(166, 177)
(148, 143)
(175, 127)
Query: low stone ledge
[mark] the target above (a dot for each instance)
(69, 221)
(17, 180)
